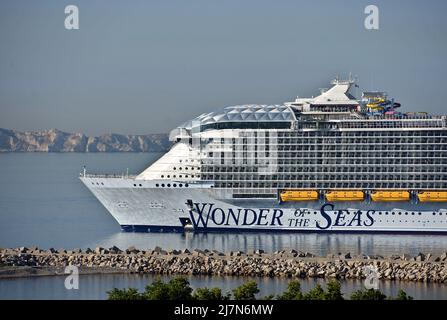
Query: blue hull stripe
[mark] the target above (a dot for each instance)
(175, 229)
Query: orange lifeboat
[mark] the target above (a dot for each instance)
(432, 196)
(345, 195)
(299, 195)
(384, 195)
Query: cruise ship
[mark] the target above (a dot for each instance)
(330, 163)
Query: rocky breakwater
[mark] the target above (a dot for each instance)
(284, 263)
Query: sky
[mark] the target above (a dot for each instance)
(138, 67)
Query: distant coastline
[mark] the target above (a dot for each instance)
(54, 140)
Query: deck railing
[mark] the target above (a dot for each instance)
(112, 175)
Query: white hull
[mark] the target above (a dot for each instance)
(140, 206)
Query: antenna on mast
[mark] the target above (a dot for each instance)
(356, 85)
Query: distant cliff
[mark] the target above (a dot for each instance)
(58, 141)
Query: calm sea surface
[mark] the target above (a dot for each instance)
(96, 286)
(43, 203)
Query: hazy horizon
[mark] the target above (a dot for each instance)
(148, 66)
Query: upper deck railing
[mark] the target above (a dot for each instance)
(363, 121)
(360, 116)
(404, 117)
(113, 175)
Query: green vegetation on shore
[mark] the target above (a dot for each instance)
(178, 288)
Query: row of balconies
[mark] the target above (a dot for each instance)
(322, 177)
(313, 170)
(335, 134)
(334, 185)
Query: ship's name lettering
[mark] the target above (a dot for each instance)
(203, 214)
(343, 218)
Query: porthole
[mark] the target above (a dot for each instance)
(406, 213)
(186, 185)
(180, 185)
(420, 213)
(169, 176)
(169, 185)
(140, 185)
(163, 185)
(434, 213)
(156, 185)
(412, 213)
(134, 185)
(174, 185)
(174, 168)
(162, 176)
(386, 212)
(102, 183)
(400, 213)
(393, 213)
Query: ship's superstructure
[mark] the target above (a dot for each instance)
(331, 163)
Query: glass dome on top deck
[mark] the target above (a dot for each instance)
(250, 116)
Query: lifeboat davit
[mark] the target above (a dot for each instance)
(390, 195)
(299, 195)
(345, 195)
(432, 196)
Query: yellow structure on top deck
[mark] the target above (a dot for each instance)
(376, 101)
(345, 195)
(432, 196)
(299, 195)
(385, 195)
